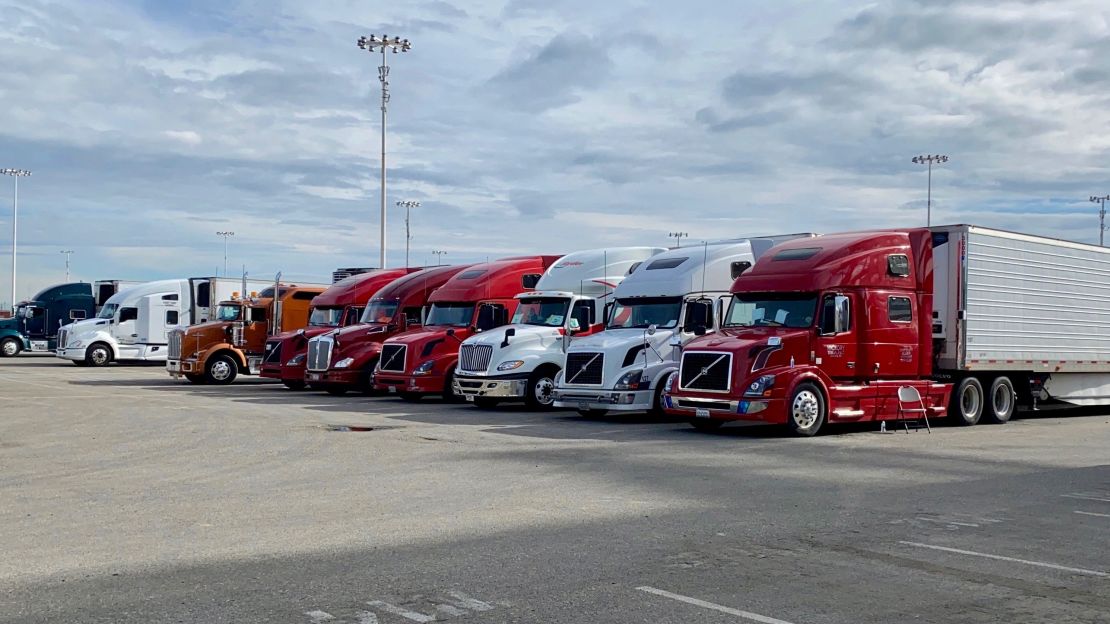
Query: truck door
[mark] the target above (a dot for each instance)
(837, 344)
(126, 330)
(891, 338)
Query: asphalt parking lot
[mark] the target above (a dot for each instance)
(129, 497)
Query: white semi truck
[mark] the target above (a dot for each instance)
(663, 304)
(519, 361)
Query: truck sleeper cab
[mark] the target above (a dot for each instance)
(422, 362)
(35, 324)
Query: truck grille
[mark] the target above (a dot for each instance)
(62, 338)
(319, 353)
(584, 368)
(475, 357)
(272, 354)
(175, 345)
(705, 371)
(393, 358)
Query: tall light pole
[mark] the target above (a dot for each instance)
(678, 237)
(374, 44)
(929, 160)
(1101, 216)
(407, 205)
(17, 174)
(226, 235)
(67, 252)
(439, 255)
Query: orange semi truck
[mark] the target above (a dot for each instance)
(233, 342)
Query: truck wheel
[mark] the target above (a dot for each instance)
(966, 405)
(293, 384)
(485, 402)
(449, 389)
(411, 397)
(10, 347)
(366, 381)
(806, 410)
(593, 413)
(538, 395)
(336, 390)
(656, 410)
(1000, 404)
(98, 355)
(197, 379)
(221, 370)
(706, 424)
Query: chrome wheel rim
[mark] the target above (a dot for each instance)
(969, 401)
(806, 409)
(10, 348)
(99, 355)
(221, 370)
(1002, 400)
(543, 391)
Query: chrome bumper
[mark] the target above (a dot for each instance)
(471, 387)
(617, 400)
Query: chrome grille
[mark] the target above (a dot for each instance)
(319, 353)
(584, 369)
(705, 371)
(174, 339)
(62, 338)
(475, 357)
(272, 354)
(393, 358)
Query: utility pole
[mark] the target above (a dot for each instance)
(439, 255)
(17, 174)
(67, 252)
(407, 204)
(226, 235)
(1101, 216)
(929, 160)
(678, 238)
(374, 44)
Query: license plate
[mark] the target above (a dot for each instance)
(701, 412)
(38, 345)
(583, 406)
(314, 376)
(469, 397)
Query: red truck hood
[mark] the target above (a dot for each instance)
(430, 342)
(751, 348)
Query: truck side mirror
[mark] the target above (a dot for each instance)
(651, 329)
(843, 316)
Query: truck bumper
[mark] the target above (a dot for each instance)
(494, 387)
(604, 399)
(72, 353)
(422, 384)
(333, 377)
(765, 410)
(177, 368)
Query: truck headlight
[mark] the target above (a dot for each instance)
(74, 343)
(424, 368)
(344, 363)
(632, 380)
(670, 382)
(759, 386)
(510, 365)
(296, 361)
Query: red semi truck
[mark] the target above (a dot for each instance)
(422, 362)
(345, 358)
(338, 306)
(838, 328)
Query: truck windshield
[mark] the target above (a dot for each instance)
(325, 317)
(454, 314)
(547, 311)
(772, 309)
(228, 312)
(642, 312)
(380, 311)
(108, 311)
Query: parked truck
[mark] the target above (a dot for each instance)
(34, 324)
(233, 342)
(854, 327)
(340, 305)
(345, 359)
(521, 360)
(663, 304)
(131, 325)
(421, 362)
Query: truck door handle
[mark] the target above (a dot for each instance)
(851, 364)
(876, 367)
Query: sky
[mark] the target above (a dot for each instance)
(529, 126)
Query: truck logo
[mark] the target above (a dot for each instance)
(835, 351)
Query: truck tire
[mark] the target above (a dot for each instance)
(366, 380)
(966, 405)
(656, 410)
(485, 402)
(538, 394)
(98, 354)
(197, 379)
(293, 384)
(449, 389)
(807, 410)
(10, 347)
(221, 370)
(1000, 403)
(411, 397)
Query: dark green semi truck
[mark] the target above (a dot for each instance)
(34, 324)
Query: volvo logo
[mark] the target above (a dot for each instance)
(704, 370)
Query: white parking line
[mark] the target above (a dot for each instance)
(942, 521)
(1011, 559)
(1086, 497)
(755, 617)
(1091, 513)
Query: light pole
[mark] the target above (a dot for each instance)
(1101, 216)
(929, 160)
(226, 235)
(439, 255)
(407, 205)
(678, 238)
(374, 44)
(67, 252)
(17, 174)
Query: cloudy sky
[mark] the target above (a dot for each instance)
(533, 125)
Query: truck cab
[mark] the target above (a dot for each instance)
(340, 305)
(422, 362)
(345, 358)
(34, 325)
(520, 361)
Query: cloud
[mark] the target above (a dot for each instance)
(188, 137)
(554, 75)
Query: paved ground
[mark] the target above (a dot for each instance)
(127, 497)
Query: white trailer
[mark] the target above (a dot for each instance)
(662, 305)
(206, 293)
(520, 361)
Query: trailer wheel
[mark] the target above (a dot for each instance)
(967, 402)
(197, 379)
(807, 410)
(293, 384)
(1000, 404)
(98, 354)
(10, 347)
(221, 370)
(541, 383)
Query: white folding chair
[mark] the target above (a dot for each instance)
(910, 395)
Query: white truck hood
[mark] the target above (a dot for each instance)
(615, 345)
(530, 341)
